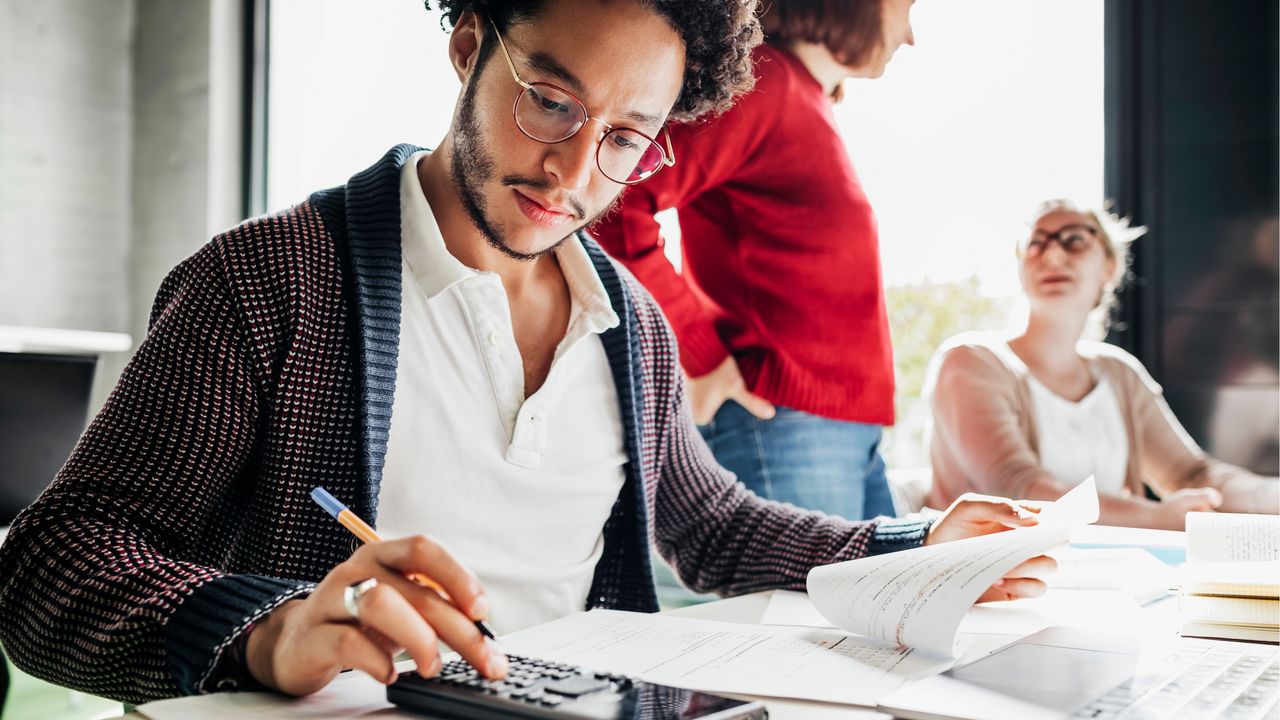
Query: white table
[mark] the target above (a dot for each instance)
(1157, 618)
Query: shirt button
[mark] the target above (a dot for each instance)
(493, 338)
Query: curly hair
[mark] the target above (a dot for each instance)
(718, 35)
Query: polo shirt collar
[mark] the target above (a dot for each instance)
(436, 269)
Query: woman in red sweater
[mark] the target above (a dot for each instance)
(779, 309)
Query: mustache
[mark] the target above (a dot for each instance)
(543, 184)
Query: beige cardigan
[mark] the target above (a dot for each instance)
(983, 437)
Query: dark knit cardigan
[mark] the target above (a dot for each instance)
(183, 514)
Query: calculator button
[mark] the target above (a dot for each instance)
(550, 700)
(576, 685)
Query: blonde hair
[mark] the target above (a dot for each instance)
(1116, 234)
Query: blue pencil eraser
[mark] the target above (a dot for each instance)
(331, 504)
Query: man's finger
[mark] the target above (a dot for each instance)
(385, 610)
(390, 646)
(459, 633)
(353, 650)
(1040, 567)
(982, 513)
(422, 555)
(1020, 587)
(1012, 514)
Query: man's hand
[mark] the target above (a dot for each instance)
(303, 644)
(709, 392)
(973, 515)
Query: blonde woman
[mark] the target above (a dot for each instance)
(1034, 414)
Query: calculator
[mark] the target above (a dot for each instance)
(556, 691)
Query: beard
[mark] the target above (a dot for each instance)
(471, 166)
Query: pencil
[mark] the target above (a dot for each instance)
(361, 529)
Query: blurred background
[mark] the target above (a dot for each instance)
(131, 131)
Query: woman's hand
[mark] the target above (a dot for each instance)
(1171, 511)
(972, 515)
(708, 392)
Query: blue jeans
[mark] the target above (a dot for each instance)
(806, 460)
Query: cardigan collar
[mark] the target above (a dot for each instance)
(364, 218)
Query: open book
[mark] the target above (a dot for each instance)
(1231, 582)
(917, 598)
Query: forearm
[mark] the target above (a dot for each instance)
(95, 575)
(85, 607)
(759, 545)
(1248, 493)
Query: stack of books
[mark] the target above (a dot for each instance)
(1231, 582)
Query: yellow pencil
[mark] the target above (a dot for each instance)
(367, 535)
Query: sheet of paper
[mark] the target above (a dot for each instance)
(787, 607)
(806, 663)
(1110, 610)
(918, 597)
(1232, 537)
(1168, 546)
(1131, 570)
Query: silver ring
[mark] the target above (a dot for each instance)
(351, 596)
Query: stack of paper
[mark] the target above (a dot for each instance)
(1231, 582)
(899, 612)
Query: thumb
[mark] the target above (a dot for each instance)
(1213, 497)
(755, 404)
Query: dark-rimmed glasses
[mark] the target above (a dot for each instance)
(1073, 239)
(549, 114)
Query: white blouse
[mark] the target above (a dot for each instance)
(1079, 439)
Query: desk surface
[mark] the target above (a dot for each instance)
(1158, 617)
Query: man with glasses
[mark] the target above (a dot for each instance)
(438, 346)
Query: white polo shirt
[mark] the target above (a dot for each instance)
(519, 489)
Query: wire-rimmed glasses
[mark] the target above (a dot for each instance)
(550, 114)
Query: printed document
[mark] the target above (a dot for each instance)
(808, 663)
(917, 598)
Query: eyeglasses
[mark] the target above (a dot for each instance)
(550, 115)
(1073, 239)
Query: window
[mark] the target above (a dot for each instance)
(998, 107)
(346, 82)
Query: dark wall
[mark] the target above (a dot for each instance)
(1192, 138)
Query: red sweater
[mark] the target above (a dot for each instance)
(780, 253)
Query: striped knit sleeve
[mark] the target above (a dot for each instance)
(719, 536)
(103, 587)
